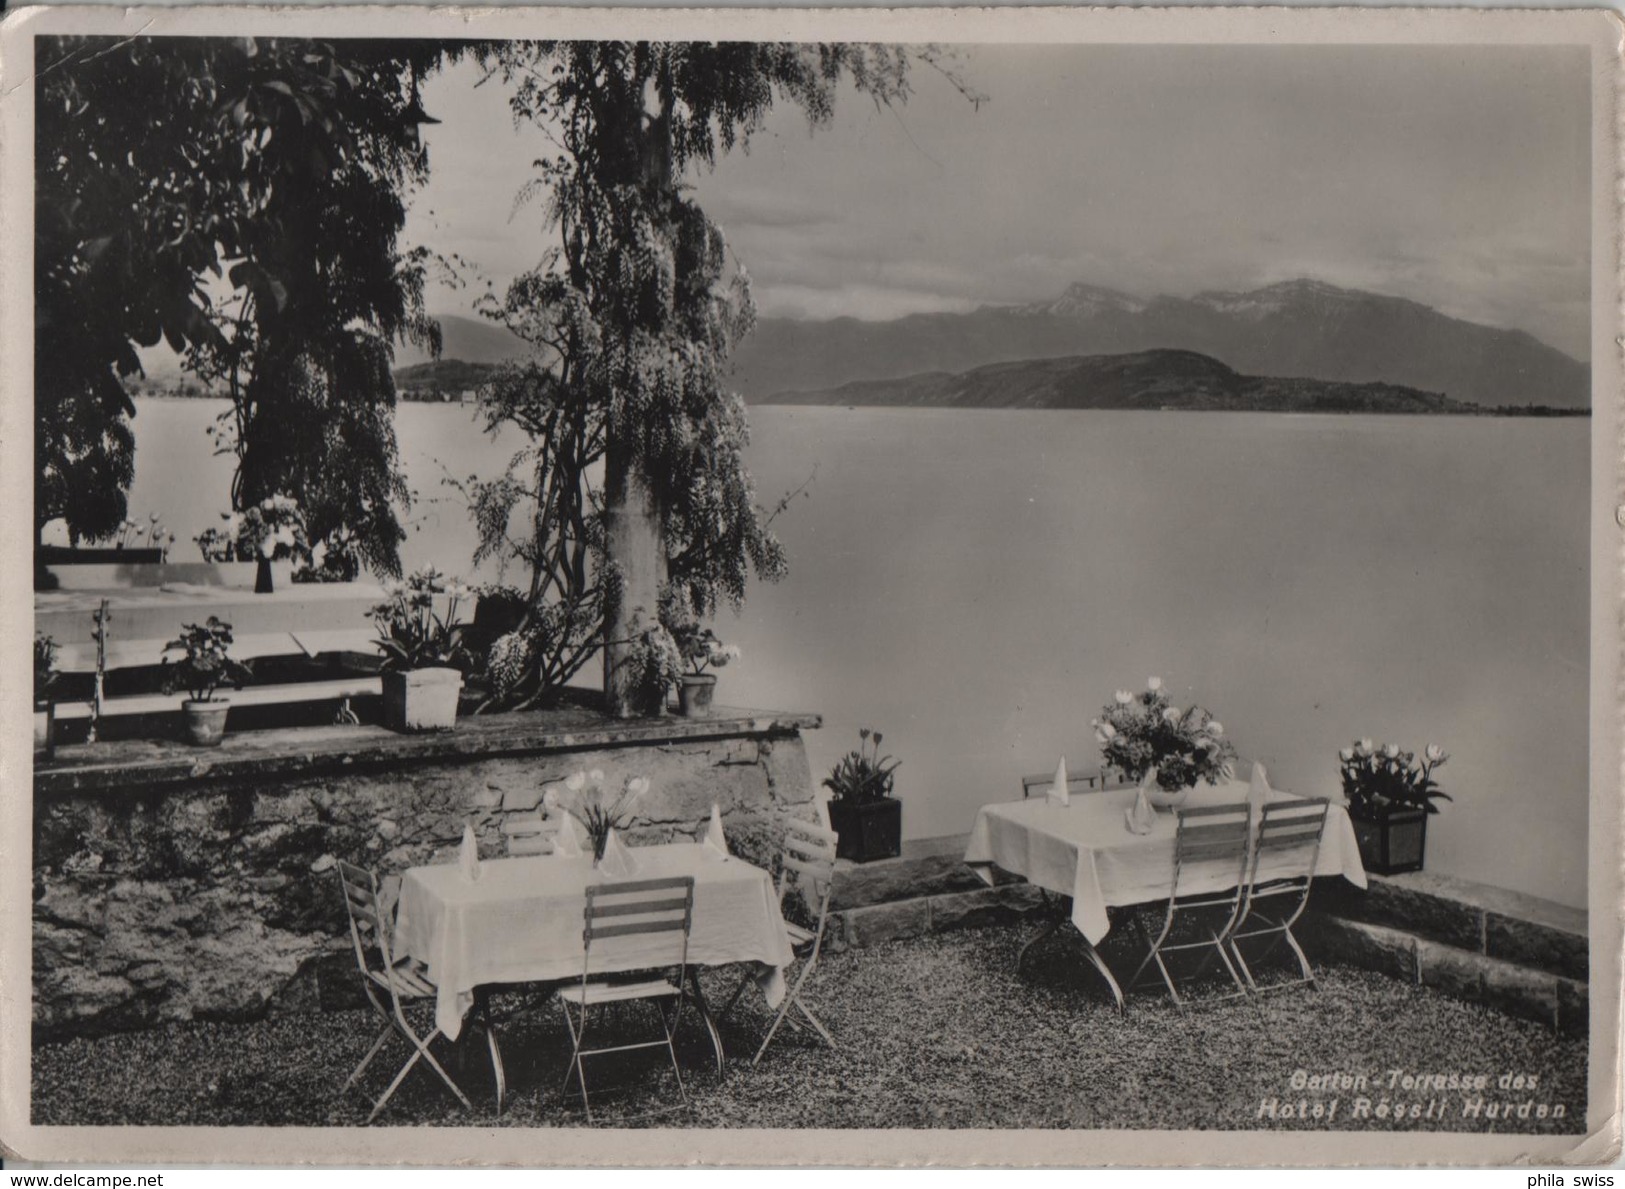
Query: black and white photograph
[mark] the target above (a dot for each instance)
(610, 583)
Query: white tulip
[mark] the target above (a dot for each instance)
(1153, 684)
(1346, 754)
(1124, 697)
(1171, 714)
(576, 781)
(1391, 750)
(1215, 728)
(1109, 731)
(596, 776)
(1434, 752)
(1365, 747)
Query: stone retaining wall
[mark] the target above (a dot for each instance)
(175, 884)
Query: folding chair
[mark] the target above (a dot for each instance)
(806, 867)
(1088, 782)
(648, 919)
(528, 834)
(394, 984)
(1283, 866)
(1056, 910)
(1216, 837)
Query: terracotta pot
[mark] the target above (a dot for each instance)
(206, 720)
(422, 699)
(694, 692)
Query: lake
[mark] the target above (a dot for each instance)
(975, 584)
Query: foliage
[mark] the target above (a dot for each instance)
(277, 165)
(651, 666)
(1380, 781)
(206, 665)
(634, 311)
(129, 532)
(45, 672)
(585, 798)
(411, 633)
(1139, 733)
(273, 529)
(862, 776)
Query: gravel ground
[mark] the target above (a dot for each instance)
(934, 1032)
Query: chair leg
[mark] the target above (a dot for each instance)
(815, 1022)
(393, 1086)
(384, 1035)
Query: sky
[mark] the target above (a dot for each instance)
(1455, 176)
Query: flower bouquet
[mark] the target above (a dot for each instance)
(1139, 733)
(1390, 794)
(272, 530)
(585, 797)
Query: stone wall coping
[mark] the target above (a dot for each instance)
(1486, 898)
(131, 766)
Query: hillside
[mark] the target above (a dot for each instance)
(1138, 380)
(468, 340)
(1297, 328)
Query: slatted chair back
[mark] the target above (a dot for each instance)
(370, 931)
(528, 834)
(1213, 835)
(1288, 845)
(1040, 783)
(644, 922)
(808, 863)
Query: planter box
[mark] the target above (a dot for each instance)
(1392, 845)
(422, 699)
(868, 832)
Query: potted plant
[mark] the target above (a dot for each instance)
(270, 533)
(205, 667)
(862, 811)
(585, 797)
(45, 676)
(650, 666)
(422, 651)
(1139, 733)
(701, 649)
(1390, 797)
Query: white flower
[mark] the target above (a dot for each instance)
(1215, 728)
(1107, 730)
(596, 776)
(1153, 684)
(1170, 713)
(1364, 747)
(1346, 754)
(1123, 697)
(1434, 752)
(576, 781)
(637, 786)
(267, 547)
(1391, 750)
(550, 796)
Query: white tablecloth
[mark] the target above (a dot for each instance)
(1084, 850)
(522, 921)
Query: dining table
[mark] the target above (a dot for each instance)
(1086, 850)
(520, 920)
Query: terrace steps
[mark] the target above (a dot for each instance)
(1522, 955)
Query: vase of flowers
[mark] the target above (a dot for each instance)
(1391, 793)
(586, 797)
(205, 666)
(701, 649)
(1141, 734)
(423, 651)
(270, 534)
(862, 811)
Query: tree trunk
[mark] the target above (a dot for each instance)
(633, 544)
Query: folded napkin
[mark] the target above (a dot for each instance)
(1140, 817)
(1258, 791)
(715, 842)
(468, 856)
(567, 838)
(617, 862)
(1060, 791)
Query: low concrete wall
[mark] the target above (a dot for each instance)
(172, 883)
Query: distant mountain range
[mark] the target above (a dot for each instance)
(1137, 380)
(1296, 328)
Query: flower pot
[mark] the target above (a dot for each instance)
(422, 699)
(694, 692)
(206, 720)
(1392, 844)
(868, 831)
(271, 576)
(44, 728)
